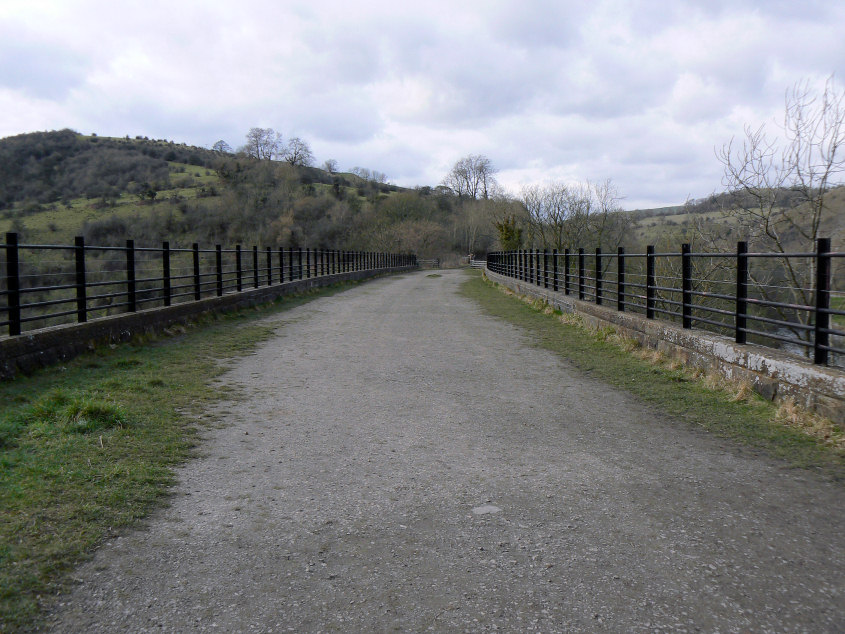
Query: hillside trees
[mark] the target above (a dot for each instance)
(45, 167)
(510, 233)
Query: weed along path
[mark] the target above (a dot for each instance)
(399, 460)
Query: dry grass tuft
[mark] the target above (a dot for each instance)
(628, 344)
(713, 381)
(791, 414)
(743, 391)
(737, 390)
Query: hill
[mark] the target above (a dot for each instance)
(55, 185)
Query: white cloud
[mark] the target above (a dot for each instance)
(640, 92)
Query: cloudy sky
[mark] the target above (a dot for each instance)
(640, 92)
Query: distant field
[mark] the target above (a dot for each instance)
(658, 228)
(654, 229)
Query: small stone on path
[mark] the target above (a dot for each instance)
(485, 509)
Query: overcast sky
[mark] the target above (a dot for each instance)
(639, 92)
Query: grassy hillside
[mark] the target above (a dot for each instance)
(686, 223)
(57, 185)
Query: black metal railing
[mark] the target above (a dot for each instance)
(794, 301)
(45, 285)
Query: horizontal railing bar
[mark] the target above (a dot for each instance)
(48, 316)
(767, 335)
(712, 322)
(764, 302)
(780, 322)
(711, 309)
(709, 295)
(51, 302)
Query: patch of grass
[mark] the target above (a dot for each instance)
(434, 275)
(89, 448)
(728, 411)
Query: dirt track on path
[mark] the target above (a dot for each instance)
(401, 461)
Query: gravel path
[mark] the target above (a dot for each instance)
(403, 462)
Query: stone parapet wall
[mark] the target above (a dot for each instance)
(47, 346)
(773, 374)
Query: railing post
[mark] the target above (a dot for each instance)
(649, 281)
(822, 338)
(218, 257)
(598, 276)
(13, 283)
(741, 291)
(554, 270)
(197, 279)
(535, 274)
(239, 269)
(255, 266)
(545, 268)
(130, 277)
(620, 279)
(686, 286)
(566, 271)
(165, 266)
(81, 290)
(269, 267)
(581, 283)
(281, 265)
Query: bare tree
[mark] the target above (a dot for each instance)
(806, 160)
(581, 214)
(474, 226)
(330, 166)
(472, 177)
(262, 143)
(368, 174)
(298, 153)
(222, 147)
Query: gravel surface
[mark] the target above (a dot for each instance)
(399, 461)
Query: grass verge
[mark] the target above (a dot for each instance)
(89, 448)
(738, 414)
